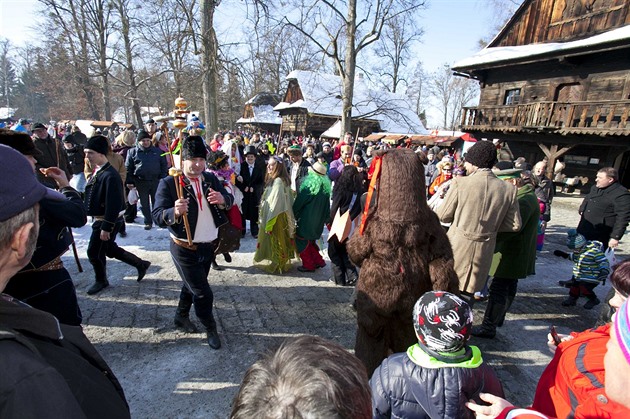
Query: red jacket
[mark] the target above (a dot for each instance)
(572, 385)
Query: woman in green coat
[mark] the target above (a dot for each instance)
(516, 253)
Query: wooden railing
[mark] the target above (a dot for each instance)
(587, 116)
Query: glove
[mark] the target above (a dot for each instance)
(561, 254)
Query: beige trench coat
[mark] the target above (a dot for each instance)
(478, 206)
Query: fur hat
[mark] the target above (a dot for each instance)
(19, 141)
(622, 329)
(575, 240)
(442, 321)
(482, 154)
(194, 147)
(97, 143)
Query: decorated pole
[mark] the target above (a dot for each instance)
(180, 123)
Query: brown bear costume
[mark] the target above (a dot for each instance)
(403, 252)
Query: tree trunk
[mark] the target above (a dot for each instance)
(350, 67)
(209, 66)
(131, 72)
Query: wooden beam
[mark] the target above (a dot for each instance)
(552, 153)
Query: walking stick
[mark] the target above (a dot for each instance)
(74, 250)
(180, 123)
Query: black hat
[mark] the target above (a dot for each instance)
(150, 121)
(21, 190)
(24, 121)
(19, 141)
(194, 147)
(38, 125)
(142, 134)
(98, 143)
(504, 165)
(250, 149)
(482, 154)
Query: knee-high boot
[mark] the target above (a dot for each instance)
(141, 265)
(493, 315)
(182, 316)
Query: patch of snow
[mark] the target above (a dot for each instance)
(263, 114)
(499, 54)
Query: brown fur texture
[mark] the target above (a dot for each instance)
(403, 253)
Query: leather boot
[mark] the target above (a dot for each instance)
(339, 275)
(182, 317)
(494, 313)
(211, 333)
(507, 308)
(97, 287)
(351, 276)
(142, 269)
(133, 260)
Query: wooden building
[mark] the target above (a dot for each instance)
(312, 104)
(555, 83)
(258, 114)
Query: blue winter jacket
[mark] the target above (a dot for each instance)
(145, 164)
(415, 385)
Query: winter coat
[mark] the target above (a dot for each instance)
(164, 209)
(605, 213)
(572, 385)
(104, 196)
(251, 200)
(76, 158)
(51, 370)
(52, 155)
(145, 164)
(479, 206)
(311, 212)
(590, 264)
(427, 388)
(518, 250)
(543, 187)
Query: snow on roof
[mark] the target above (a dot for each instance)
(263, 114)
(495, 55)
(6, 113)
(322, 96)
(333, 132)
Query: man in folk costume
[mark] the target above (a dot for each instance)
(297, 168)
(311, 209)
(479, 206)
(203, 203)
(104, 201)
(402, 251)
(516, 253)
(251, 182)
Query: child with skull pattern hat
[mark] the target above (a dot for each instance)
(440, 373)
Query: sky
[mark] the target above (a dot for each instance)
(452, 27)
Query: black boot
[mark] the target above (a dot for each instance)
(507, 308)
(97, 287)
(142, 269)
(351, 276)
(493, 315)
(227, 257)
(133, 260)
(339, 275)
(211, 333)
(182, 318)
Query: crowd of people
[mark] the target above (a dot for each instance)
(421, 234)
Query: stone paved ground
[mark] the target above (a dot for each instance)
(169, 374)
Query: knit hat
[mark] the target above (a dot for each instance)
(142, 134)
(326, 144)
(482, 154)
(443, 321)
(98, 143)
(194, 147)
(575, 240)
(621, 323)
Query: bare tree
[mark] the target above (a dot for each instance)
(452, 94)
(415, 89)
(394, 49)
(341, 30)
(502, 12)
(8, 77)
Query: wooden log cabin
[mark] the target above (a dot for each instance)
(312, 104)
(555, 83)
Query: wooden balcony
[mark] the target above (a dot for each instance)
(595, 118)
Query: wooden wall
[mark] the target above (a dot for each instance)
(541, 21)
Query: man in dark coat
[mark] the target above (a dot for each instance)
(52, 154)
(203, 202)
(517, 253)
(251, 182)
(145, 167)
(104, 201)
(48, 369)
(44, 283)
(605, 210)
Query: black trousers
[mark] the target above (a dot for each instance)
(193, 267)
(146, 194)
(98, 250)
